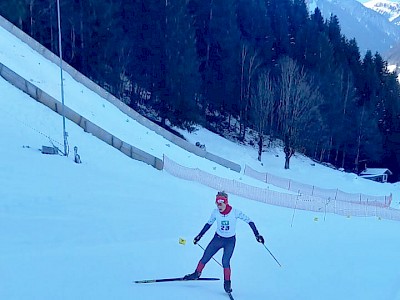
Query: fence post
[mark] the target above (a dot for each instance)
(334, 207)
(294, 210)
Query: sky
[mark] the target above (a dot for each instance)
(87, 231)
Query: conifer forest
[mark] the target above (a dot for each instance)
(269, 67)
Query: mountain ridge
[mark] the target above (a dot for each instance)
(389, 9)
(361, 22)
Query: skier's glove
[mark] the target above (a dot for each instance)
(260, 238)
(197, 239)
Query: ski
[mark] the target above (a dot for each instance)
(174, 279)
(230, 296)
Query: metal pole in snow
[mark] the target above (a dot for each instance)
(65, 134)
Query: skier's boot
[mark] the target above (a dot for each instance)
(195, 275)
(227, 286)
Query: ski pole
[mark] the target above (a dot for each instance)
(272, 255)
(212, 257)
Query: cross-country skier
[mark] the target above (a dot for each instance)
(226, 217)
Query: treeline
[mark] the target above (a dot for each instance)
(268, 65)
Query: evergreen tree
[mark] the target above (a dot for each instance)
(255, 26)
(182, 70)
(353, 58)
(317, 21)
(278, 13)
(368, 79)
(336, 39)
(299, 20)
(226, 48)
(16, 11)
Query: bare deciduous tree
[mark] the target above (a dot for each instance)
(263, 106)
(249, 64)
(298, 99)
(263, 103)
